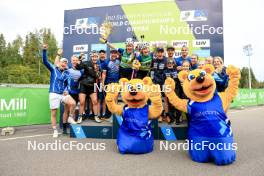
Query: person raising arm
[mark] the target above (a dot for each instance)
(59, 90)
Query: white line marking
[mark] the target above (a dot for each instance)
(23, 137)
(41, 135)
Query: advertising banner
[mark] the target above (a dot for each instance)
(24, 106)
(248, 97)
(197, 24)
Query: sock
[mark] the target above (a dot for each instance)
(54, 128)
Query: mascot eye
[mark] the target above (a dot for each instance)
(139, 86)
(202, 73)
(191, 77)
(129, 87)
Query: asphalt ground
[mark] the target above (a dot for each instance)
(17, 157)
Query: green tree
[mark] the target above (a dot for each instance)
(21, 62)
(2, 49)
(245, 79)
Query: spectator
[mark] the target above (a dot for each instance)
(194, 61)
(201, 63)
(111, 66)
(158, 75)
(220, 76)
(209, 60)
(75, 76)
(186, 65)
(126, 58)
(101, 94)
(59, 89)
(173, 115)
(170, 52)
(145, 58)
(87, 82)
(184, 57)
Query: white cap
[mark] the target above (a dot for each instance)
(64, 60)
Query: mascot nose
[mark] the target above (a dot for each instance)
(133, 92)
(200, 79)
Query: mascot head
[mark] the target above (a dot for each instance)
(135, 92)
(198, 85)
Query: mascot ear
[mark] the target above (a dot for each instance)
(123, 81)
(183, 75)
(147, 81)
(208, 68)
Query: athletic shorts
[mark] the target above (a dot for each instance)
(75, 97)
(88, 90)
(56, 99)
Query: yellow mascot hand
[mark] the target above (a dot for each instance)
(169, 86)
(233, 72)
(112, 91)
(154, 94)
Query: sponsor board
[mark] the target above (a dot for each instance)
(194, 15)
(80, 48)
(201, 43)
(158, 44)
(180, 43)
(87, 22)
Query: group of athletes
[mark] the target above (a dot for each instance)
(73, 83)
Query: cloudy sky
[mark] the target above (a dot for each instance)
(242, 24)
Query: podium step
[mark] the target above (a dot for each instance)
(109, 129)
(91, 129)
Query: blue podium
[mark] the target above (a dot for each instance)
(108, 129)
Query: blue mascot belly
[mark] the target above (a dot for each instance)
(135, 134)
(209, 127)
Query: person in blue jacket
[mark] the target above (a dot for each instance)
(184, 57)
(59, 89)
(220, 76)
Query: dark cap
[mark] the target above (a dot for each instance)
(170, 47)
(113, 51)
(102, 51)
(160, 50)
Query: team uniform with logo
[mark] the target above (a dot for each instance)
(157, 71)
(145, 62)
(75, 75)
(209, 124)
(125, 64)
(112, 71)
(59, 82)
(135, 133)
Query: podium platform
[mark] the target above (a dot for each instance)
(109, 129)
(91, 129)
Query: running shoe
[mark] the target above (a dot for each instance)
(55, 133)
(71, 121)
